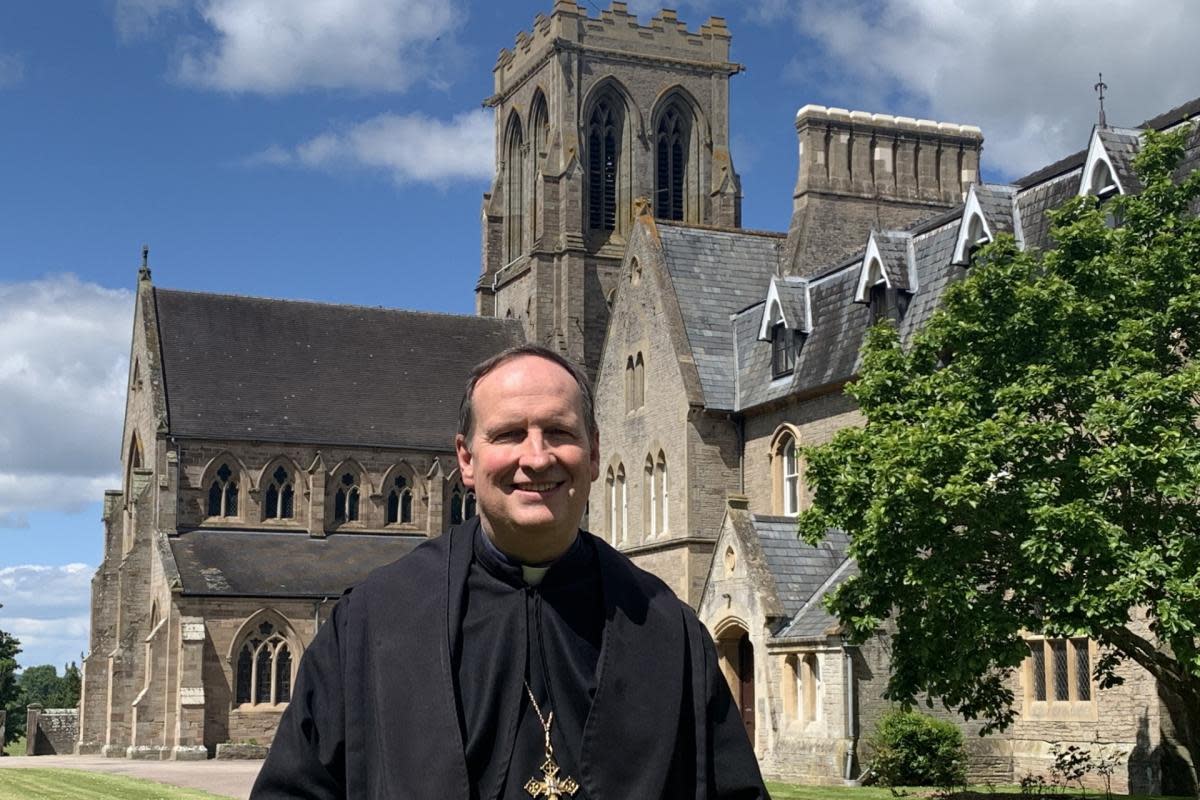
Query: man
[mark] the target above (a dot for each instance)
(517, 656)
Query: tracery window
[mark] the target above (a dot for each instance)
(279, 501)
(345, 499)
(399, 502)
(671, 156)
(264, 668)
(540, 131)
(603, 143)
(223, 493)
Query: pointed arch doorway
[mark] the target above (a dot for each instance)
(736, 654)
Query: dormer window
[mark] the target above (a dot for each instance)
(783, 350)
(1102, 184)
(887, 303)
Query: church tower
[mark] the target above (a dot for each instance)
(595, 116)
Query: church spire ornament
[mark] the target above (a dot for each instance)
(1099, 88)
(550, 786)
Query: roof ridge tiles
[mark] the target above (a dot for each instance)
(719, 228)
(326, 304)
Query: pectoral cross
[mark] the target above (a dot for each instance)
(551, 786)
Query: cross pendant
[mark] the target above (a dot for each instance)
(551, 786)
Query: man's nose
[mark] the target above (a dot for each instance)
(535, 454)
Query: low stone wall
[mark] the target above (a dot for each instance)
(228, 751)
(3, 724)
(51, 731)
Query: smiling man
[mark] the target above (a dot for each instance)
(517, 656)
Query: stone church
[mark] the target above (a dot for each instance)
(269, 465)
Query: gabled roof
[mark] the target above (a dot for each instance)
(289, 371)
(1115, 148)
(799, 568)
(988, 206)
(890, 250)
(230, 563)
(812, 621)
(715, 272)
(787, 302)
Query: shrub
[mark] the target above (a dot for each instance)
(913, 749)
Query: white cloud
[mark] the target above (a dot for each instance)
(63, 371)
(12, 70)
(48, 610)
(410, 148)
(1022, 71)
(277, 46)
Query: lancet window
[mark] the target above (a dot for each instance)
(279, 500)
(603, 143)
(456, 506)
(264, 668)
(223, 493)
(400, 502)
(671, 155)
(346, 499)
(514, 191)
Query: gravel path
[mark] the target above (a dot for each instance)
(228, 778)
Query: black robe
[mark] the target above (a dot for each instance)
(376, 711)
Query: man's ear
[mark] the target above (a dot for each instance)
(466, 466)
(595, 456)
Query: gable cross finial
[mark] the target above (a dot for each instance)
(1100, 87)
(144, 272)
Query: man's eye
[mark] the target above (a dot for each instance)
(508, 436)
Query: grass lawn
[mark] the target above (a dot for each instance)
(784, 791)
(16, 747)
(69, 784)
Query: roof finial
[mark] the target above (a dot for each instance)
(144, 272)
(1100, 87)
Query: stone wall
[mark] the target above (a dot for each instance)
(51, 731)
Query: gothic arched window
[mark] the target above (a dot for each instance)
(610, 485)
(660, 482)
(604, 153)
(670, 184)
(279, 501)
(223, 493)
(456, 506)
(345, 499)
(469, 505)
(539, 131)
(399, 503)
(787, 477)
(264, 668)
(649, 499)
(514, 190)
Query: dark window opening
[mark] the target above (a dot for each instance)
(671, 175)
(783, 350)
(603, 160)
(887, 303)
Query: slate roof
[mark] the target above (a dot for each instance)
(716, 272)
(812, 621)
(1122, 144)
(228, 563)
(794, 300)
(799, 568)
(1034, 203)
(996, 203)
(288, 371)
(893, 255)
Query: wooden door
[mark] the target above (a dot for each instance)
(745, 693)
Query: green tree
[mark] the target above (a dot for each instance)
(1031, 461)
(10, 692)
(43, 685)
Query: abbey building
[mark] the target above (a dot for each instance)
(268, 465)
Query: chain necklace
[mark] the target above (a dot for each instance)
(550, 785)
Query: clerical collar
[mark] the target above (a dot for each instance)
(504, 566)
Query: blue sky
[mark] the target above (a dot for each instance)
(336, 150)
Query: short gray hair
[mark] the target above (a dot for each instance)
(466, 411)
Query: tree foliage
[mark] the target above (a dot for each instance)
(44, 686)
(10, 692)
(1031, 458)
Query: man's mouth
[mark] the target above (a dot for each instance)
(544, 486)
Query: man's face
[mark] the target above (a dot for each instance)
(530, 459)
